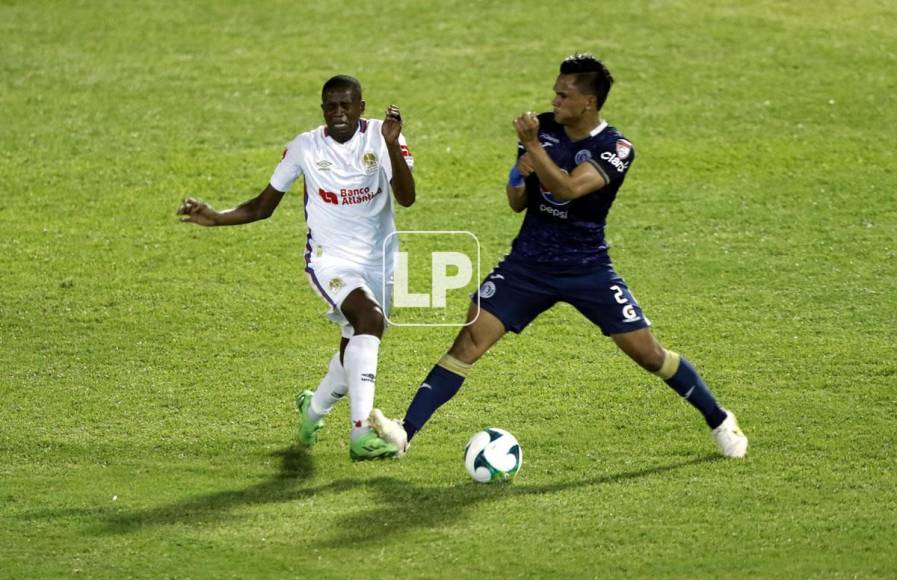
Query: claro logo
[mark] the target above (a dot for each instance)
(612, 158)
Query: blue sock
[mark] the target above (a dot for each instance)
(439, 386)
(688, 383)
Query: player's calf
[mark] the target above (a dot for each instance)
(682, 377)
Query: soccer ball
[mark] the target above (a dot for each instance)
(492, 454)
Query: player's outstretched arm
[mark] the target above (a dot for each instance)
(402, 179)
(258, 208)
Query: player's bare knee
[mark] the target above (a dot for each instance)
(371, 322)
(651, 359)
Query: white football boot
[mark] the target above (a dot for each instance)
(729, 438)
(390, 430)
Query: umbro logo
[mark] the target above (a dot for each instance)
(323, 165)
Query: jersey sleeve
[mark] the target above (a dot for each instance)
(406, 155)
(612, 160)
(406, 152)
(289, 169)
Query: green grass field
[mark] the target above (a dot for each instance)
(148, 368)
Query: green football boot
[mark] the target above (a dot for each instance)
(308, 429)
(370, 446)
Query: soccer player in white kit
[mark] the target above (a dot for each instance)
(352, 167)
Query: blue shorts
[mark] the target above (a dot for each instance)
(516, 294)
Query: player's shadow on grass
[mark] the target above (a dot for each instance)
(400, 507)
(296, 466)
(397, 506)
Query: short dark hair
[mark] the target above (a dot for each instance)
(341, 83)
(592, 77)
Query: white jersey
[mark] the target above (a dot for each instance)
(348, 198)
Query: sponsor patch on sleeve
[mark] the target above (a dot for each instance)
(624, 149)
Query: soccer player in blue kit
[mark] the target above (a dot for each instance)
(570, 165)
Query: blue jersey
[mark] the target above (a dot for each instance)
(571, 233)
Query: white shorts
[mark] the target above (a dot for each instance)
(333, 278)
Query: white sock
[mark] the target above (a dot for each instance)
(360, 362)
(333, 387)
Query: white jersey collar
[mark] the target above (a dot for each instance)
(598, 129)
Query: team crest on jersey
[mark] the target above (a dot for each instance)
(487, 290)
(582, 156)
(370, 162)
(336, 284)
(624, 149)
